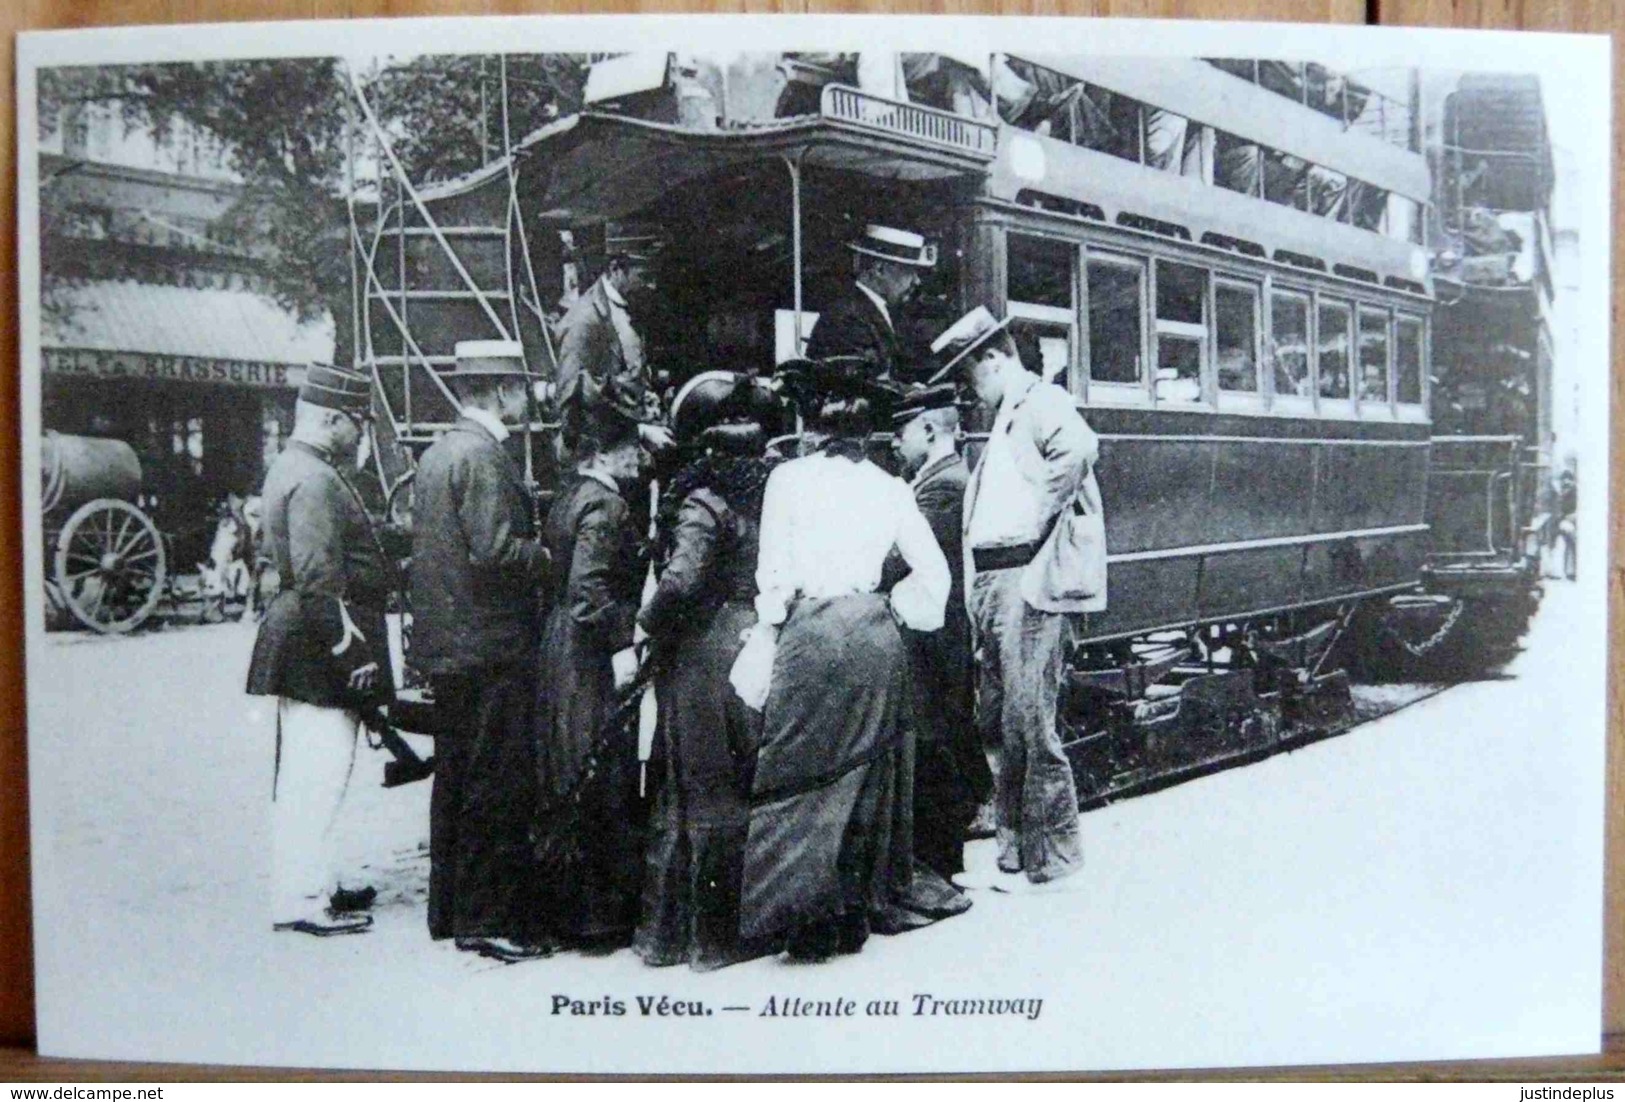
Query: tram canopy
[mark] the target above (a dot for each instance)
(595, 166)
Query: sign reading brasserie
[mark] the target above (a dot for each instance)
(101, 364)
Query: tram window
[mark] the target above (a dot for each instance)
(1289, 334)
(1181, 331)
(1181, 293)
(1367, 204)
(1404, 219)
(1235, 163)
(1333, 360)
(1328, 193)
(1040, 271)
(1285, 179)
(1116, 320)
(1110, 123)
(1179, 369)
(1175, 144)
(1373, 356)
(1235, 323)
(1408, 360)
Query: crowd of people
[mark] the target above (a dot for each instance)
(831, 647)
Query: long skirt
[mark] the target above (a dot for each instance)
(483, 881)
(595, 897)
(829, 835)
(703, 749)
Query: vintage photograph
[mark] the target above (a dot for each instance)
(841, 545)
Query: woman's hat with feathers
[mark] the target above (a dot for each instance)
(812, 382)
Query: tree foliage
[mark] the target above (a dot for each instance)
(287, 125)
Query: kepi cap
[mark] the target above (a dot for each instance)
(920, 399)
(339, 388)
(962, 338)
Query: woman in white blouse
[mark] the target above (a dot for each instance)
(830, 836)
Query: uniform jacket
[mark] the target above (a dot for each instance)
(331, 567)
(477, 567)
(853, 326)
(601, 363)
(1055, 451)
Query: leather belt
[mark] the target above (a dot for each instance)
(1005, 558)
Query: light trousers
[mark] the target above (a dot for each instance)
(315, 756)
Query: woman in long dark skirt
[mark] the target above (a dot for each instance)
(598, 575)
(830, 838)
(695, 621)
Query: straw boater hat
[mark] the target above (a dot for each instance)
(962, 338)
(339, 388)
(489, 358)
(898, 246)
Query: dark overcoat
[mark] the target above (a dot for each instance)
(852, 325)
(592, 611)
(952, 774)
(707, 737)
(329, 564)
(601, 369)
(477, 566)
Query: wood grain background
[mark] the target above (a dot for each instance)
(16, 961)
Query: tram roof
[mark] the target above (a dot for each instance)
(596, 165)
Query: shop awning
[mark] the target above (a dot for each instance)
(115, 328)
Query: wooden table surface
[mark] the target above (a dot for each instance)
(17, 1060)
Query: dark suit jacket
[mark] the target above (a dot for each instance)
(477, 568)
(327, 554)
(853, 326)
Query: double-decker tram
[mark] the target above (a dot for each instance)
(1221, 260)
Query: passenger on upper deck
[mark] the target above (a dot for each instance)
(863, 322)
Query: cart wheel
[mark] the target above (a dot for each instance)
(110, 565)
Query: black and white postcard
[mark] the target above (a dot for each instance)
(815, 545)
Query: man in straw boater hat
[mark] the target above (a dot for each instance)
(951, 773)
(1035, 552)
(888, 264)
(477, 577)
(322, 649)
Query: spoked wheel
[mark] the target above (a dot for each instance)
(110, 565)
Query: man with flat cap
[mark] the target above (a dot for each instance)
(322, 650)
(1034, 554)
(887, 265)
(602, 368)
(477, 576)
(951, 774)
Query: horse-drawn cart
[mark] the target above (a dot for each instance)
(107, 563)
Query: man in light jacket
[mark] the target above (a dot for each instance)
(1035, 552)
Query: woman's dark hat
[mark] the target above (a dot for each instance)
(339, 388)
(714, 398)
(604, 428)
(811, 382)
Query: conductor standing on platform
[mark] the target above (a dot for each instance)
(863, 322)
(477, 577)
(1035, 552)
(322, 650)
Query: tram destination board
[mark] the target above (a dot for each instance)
(893, 534)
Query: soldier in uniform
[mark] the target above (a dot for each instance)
(477, 577)
(864, 320)
(322, 650)
(951, 773)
